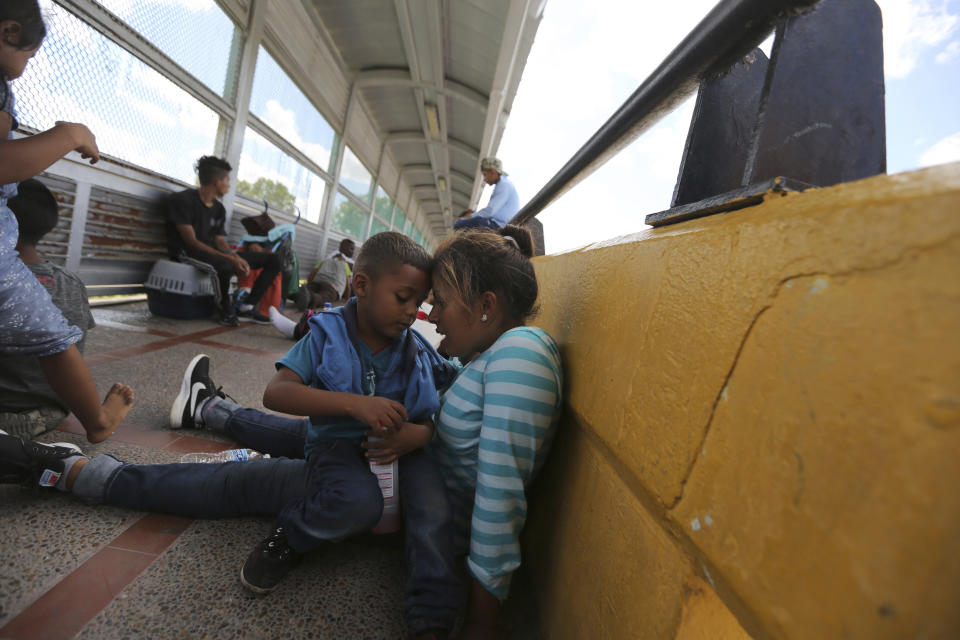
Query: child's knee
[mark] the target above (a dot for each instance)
(365, 506)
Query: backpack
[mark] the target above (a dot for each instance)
(289, 264)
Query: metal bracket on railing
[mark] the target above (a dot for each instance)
(811, 116)
(724, 35)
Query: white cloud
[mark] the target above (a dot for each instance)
(307, 187)
(950, 52)
(352, 170)
(911, 28)
(284, 122)
(165, 102)
(946, 150)
(584, 64)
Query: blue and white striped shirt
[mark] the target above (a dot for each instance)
(494, 428)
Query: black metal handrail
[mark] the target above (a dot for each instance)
(727, 33)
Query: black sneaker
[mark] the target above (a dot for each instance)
(227, 317)
(196, 387)
(252, 315)
(268, 563)
(33, 464)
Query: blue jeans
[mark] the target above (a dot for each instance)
(473, 222)
(327, 498)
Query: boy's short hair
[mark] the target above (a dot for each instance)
(36, 210)
(388, 250)
(210, 168)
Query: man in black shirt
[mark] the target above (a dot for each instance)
(196, 236)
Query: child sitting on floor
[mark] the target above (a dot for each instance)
(30, 324)
(360, 372)
(28, 406)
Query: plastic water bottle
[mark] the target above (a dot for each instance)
(231, 455)
(387, 474)
(387, 479)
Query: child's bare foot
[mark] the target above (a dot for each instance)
(116, 406)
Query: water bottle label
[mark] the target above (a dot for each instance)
(239, 455)
(384, 475)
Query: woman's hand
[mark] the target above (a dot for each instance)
(83, 140)
(377, 412)
(394, 443)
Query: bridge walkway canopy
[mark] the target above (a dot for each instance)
(358, 117)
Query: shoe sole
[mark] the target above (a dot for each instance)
(252, 587)
(176, 411)
(65, 445)
(254, 320)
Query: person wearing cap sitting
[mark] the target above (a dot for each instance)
(503, 204)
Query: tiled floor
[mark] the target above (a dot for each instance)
(105, 573)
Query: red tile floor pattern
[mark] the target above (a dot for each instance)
(62, 612)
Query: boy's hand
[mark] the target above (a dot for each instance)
(378, 413)
(83, 140)
(394, 443)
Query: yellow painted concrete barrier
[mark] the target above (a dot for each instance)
(762, 427)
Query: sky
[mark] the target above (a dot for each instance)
(588, 58)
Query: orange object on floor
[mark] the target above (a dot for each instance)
(273, 297)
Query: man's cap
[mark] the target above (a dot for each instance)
(493, 163)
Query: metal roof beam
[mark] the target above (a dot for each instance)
(400, 78)
(422, 35)
(426, 168)
(521, 24)
(410, 137)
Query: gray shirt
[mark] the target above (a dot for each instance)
(22, 385)
(333, 270)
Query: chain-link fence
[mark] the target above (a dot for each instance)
(277, 100)
(138, 115)
(267, 173)
(197, 35)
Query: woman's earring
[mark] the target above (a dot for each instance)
(483, 318)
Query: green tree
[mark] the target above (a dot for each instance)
(350, 218)
(273, 192)
(383, 206)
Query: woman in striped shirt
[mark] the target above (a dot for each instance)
(498, 417)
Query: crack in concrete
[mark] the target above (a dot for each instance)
(903, 255)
